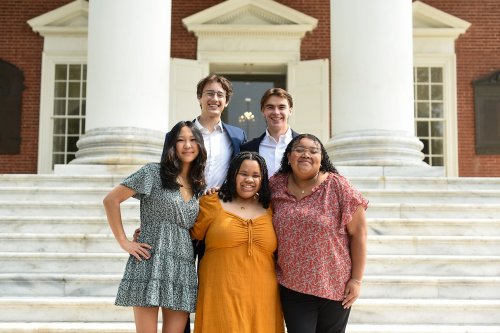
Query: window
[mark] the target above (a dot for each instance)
(429, 112)
(487, 114)
(70, 87)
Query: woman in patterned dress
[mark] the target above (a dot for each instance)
(320, 224)
(238, 290)
(160, 272)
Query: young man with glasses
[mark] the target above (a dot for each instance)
(222, 141)
(276, 106)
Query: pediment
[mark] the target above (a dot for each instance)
(70, 19)
(429, 21)
(250, 16)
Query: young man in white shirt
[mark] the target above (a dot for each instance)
(276, 106)
(222, 141)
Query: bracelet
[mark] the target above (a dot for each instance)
(356, 280)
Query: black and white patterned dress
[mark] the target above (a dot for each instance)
(168, 279)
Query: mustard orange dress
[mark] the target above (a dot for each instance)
(238, 289)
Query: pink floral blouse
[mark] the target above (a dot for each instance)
(313, 243)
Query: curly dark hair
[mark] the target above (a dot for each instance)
(170, 165)
(326, 164)
(228, 189)
(225, 83)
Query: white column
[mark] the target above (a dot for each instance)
(127, 82)
(372, 84)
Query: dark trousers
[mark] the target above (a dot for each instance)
(199, 251)
(311, 314)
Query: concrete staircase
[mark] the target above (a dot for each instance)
(433, 264)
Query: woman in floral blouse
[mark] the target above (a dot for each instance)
(320, 223)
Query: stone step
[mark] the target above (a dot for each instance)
(63, 309)
(58, 285)
(75, 263)
(68, 327)
(62, 224)
(434, 226)
(128, 327)
(65, 193)
(69, 243)
(374, 311)
(370, 328)
(362, 182)
(435, 265)
(435, 196)
(130, 208)
(34, 193)
(434, 245)
(387, 244)
(374, 286)
(425, 183)
(84, 263)
(428, 311)
(434, 287)
(82, 181)
(376, 226)
(415, 210)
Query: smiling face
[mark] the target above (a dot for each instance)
(305, 158)
(186, 146)
(248, 179)
(213, 100)
(276, 110)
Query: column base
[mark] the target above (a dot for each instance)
(375, 148)
(119, 146)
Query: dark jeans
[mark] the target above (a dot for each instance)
(311, 314)
(199, 250)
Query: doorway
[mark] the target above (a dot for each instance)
(244, 108)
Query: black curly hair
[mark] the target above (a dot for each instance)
(326, 164)
(170, 165)
(228, 189)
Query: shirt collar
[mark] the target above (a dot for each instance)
(287, 136)
(217, 127)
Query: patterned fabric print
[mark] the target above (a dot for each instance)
(313, 243)
(168, 279)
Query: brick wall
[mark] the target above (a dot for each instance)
(20, 46)
(478, 54)
(315, 45)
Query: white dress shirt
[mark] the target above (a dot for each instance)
(219, 152)
(273, 150)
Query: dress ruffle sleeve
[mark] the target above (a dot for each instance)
(350, 199)
(142, 180)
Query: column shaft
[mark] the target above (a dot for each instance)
(372, 84)
(128, 82)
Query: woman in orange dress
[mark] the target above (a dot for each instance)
(238, 290)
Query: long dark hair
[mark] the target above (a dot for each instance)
(170, 165)
(228, 189)
(326, 164)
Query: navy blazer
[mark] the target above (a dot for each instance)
(235, 134)
(253, 145)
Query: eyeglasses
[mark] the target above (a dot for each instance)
(212, 93)
(302, 150)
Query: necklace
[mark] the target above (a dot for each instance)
(242, 204)
(313, 181)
